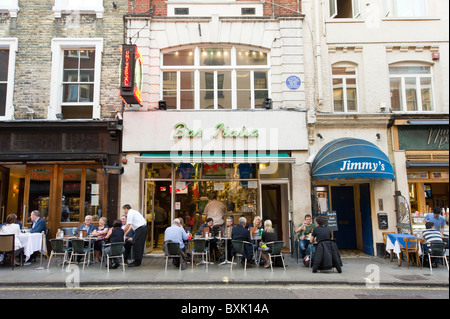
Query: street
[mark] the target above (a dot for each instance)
(225, 292)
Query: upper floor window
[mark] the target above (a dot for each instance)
(79, 6)
(8, 48)
(406, 8)
(11, 6)
(215, 78)
(345, 98)
(76, 77)
(344, 9)
(411, 88)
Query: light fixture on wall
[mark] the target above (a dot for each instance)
(378, 137)
(267, 104)
(319, 136)
(162, 105)
(114, 5)
(113, 169)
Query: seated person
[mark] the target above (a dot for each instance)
(269, 235)
(326, 254)
(212, 242)
(177, 234)
(241, 233)
(304, 232)
(115, 235)
(38, 225)
(431, 235)
(87, 226)
(11, 227)
(129, 239)
(257, 223)
(101, 231)
(227, 234)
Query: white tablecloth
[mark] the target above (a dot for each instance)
(396, 247)
(31, 243)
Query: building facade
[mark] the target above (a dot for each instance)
(381, 76)
(58, 104)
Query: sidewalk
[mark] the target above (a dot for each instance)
(356, 271)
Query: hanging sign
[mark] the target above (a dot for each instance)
(131, 74)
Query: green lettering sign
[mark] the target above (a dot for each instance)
(181, 130)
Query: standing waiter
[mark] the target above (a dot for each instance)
(137, 222)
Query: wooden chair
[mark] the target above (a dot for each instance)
(7, 245)
(412, 247)
(385, 238)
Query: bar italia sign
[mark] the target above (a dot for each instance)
(181, 130)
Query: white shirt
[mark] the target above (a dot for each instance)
(215, 210)
(135, 219)
(8, 229)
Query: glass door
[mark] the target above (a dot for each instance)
(38, 188)
(149, 214)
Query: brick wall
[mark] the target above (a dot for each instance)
(278, 8)
(36, 26)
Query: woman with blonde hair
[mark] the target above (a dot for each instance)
(269, 235)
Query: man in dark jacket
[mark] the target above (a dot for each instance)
(239, 232)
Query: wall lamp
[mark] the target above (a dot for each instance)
(267, 104)
(113, 169)
(162, 105)
(320, 136)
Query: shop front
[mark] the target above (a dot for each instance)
(422, 152)
(353, 179)
(243, 158)
(57, 169)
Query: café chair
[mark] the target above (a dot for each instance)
(173, 251)
(78, 249)
(385, 238)
(115, 251)
(412, 247)
(436, 250)
(239, 247)
(276, 246)
(7, 245)
(58, 249)
(199, 248)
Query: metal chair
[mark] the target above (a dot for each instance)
(78, 249)
(276, 246)
(200, 248)
(239, 247)
(412, 246)
(7, 245)
(436, 250)
(173, 251)
(115, 251)
(58, 249)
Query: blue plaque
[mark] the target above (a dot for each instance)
(293, 82)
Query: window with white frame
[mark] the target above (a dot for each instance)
(411, 88)
(345, 97)
(10, 6)
(214, 78)
(79, 6)
(8, 48)
(349, 9)
(406, 8)
(76, 77)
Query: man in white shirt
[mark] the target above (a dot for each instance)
(136, 222)
(215, 210)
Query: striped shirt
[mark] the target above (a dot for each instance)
(432, 235)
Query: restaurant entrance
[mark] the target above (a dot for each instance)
(63, 194)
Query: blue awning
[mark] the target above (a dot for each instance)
(351, 158)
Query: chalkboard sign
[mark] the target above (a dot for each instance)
(332, 222)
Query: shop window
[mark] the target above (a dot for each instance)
(94, 191)
(344, 9)
(411, 88)
(71, 195)
(220, 78)
(406, 8)
(157, 170)
(345, 89)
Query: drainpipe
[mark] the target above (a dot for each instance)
(317, 43)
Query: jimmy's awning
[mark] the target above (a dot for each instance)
(351, 158)
(206, 157)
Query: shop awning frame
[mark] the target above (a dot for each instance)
(410, 164)
(351, 158)
(215, 158)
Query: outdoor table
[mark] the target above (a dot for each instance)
(89, 239)
(202, 262)
(225, 240)
(256, 250)
(396, 242)
(32, 242)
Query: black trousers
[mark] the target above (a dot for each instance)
(140, 235)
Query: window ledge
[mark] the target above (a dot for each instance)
(11, 7)
(78, 6)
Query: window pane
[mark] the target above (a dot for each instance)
(396, 94)
(76, 111)
(409, 70)
(71, 59)
(70, 93)
(224, 89)
(70, 76)
(206, 99)
(215, 56)
(86, 93)
(187, 100)
(187, 80)
(87, 76)
(427, 99)
(351, 95)
(260, 96)
(207, 90)
(260, 80)
(349, 70)
(94, 193)
(87, 59)
(244, 99)
(243, 90)
(71, 190)
(169, 80)
(171, 99)
(250, 57)
(338, 95)
(411, 97)
(243, 80)
(187, 90)
(4, 64)
(180, 57)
